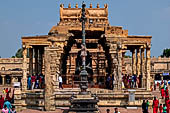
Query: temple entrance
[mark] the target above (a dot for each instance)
(97, 63)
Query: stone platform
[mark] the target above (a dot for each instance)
(107, 98)
(83, 103)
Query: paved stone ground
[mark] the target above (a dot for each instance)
(102, 110)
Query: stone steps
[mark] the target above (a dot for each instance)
(102, 91)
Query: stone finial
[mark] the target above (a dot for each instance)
(76, 5)
(61, 5)
(90, 5)
(105, 6)
(98, 5)
(69, 5)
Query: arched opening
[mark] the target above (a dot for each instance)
(99, 55)
(2, 68)
(126, 63)
(8, 79)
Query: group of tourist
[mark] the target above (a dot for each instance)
(36, 81)
(130, 81)
(162, 109)
(5, 103)
(8, 108)
(165, 95)
(6, 92)
(164, 90)
(157, 106)
(145, 106)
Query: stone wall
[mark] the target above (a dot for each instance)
(106, 97)
(29, 100)
(10, 63)
(156, 64)
(35, 99)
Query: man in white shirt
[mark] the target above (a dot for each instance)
(60, 81)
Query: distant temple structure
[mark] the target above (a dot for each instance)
(56, 54)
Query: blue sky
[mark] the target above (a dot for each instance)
(36, 17)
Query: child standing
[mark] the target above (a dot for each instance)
(160, 108)
(164, 108)
(5, 109)
(4, 91)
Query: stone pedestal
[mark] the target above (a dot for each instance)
(131, 101)
(131, 95)
(83, 104)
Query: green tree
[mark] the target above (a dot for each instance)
(127, 56)
(166, 53)
(18, 54)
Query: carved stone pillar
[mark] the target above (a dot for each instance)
(138, 62)
(12, 80)
(30, 61)
(123, 64)
(148, 64)
(52, 58)
(119, 57)
(143, 68)
(36, 59)
(40, 60)
(133, 61)
(3, 79)
(114, 71)
(48, 80)
(24, 69)
(58, 70)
